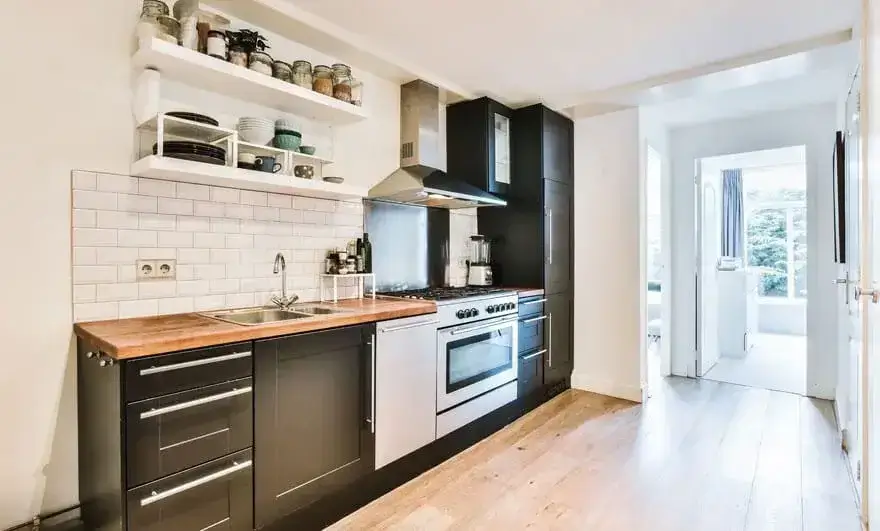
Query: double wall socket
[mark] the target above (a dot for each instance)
(156, 269)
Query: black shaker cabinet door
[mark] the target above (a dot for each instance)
(558, 147)
(313, 396)
(557, 237)
(559, 359)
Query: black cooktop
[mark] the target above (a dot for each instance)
(442, 294)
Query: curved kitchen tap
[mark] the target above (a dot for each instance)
(283, 301)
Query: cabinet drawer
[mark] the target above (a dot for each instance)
(216, 496)
(532, 306)
(173, 432)
(531, 373)
(161, 375)
(531, 333)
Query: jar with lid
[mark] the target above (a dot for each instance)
(322, 80)
(154, 8)
(260, 62)
(302, 74)
(238, 56)
(357, 91)
(148, 25)
(217, 44)
(169, 29)
(282, 71)
(342, 82)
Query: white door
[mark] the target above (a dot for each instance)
(708, 253)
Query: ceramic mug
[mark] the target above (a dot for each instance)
(247, 158)
(267, 164)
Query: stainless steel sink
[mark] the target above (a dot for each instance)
(256, 316)
(315, 310)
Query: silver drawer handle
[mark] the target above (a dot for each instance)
(534, 319)
(194, 363)
(193, 403)
(533, 356)
(482, 326)
(539, 301)
(411, 325)
(159, 496)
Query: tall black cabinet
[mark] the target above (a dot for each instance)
(534, 232)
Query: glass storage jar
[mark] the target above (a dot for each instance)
(217, 44)
(357, 92)
(322, 80)
(169, 29)
(302, 74)
(238, 56)
(342, 82)
(282, 71)
(261, 62)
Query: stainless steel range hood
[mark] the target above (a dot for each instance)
(418, 181)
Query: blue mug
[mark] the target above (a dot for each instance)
(267, 164)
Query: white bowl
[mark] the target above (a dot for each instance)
(288, 125)
(256, 136)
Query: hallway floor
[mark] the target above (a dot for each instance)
(699, 455)
(776, 362)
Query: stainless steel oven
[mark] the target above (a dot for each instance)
(475, 358)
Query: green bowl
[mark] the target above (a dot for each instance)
(287, 141)
(308, 150)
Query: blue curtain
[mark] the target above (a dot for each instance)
(732, 213)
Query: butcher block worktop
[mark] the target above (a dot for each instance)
(145, 336)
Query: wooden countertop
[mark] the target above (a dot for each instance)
(145, 336)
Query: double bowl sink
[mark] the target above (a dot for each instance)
(266, 315)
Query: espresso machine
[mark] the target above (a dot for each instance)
(479, 266)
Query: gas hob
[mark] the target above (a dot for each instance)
(466, 304)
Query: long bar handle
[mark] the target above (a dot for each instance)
(534, 319)
(550, 340)
(372, 419)
(482, 326)
(159, 496)
(535, 355)
(193, 403)
(411, 325)
(194, 363)
(549, 214)
(539, 301)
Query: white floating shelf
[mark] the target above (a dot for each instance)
(190, 130)
(185, 171)
(302, 158)
(205, 72)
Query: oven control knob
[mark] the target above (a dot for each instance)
(490, 309)
(499, 307)
(461, 314)
(510, 306)
(476, 312)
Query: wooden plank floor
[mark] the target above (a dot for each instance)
(700, 455)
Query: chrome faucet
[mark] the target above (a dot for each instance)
(284, 301)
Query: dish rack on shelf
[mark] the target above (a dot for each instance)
(361, 285)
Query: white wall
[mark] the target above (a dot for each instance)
(71, 105)
(609, 301)
(812, 126)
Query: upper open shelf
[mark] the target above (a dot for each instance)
(205, 72)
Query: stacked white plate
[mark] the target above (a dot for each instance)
(256, 130)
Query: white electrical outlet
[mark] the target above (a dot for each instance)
(166, 269)
(146, 269)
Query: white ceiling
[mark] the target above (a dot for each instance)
(558, 50)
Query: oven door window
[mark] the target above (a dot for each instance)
(475, 358)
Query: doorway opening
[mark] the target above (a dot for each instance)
(752, 269)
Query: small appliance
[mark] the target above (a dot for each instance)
(480, 262)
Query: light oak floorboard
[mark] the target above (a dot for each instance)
(700, 455)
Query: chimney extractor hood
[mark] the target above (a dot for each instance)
(417, 181)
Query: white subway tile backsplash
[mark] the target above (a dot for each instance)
(117, 183)
(193, 191)
(109, 219)
(155, 187)
(208, 210)
(84, 218)
(137, 203)
(94, 274)
(141, 308)
(182, 207)
(94, 237)
(138, 238)
(249, 197)
(193, 224)
(224, 240)
(225, 195)
(94, 200)
(84, 180)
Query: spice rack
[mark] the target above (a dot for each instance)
(361, 284)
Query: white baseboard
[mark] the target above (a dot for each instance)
(585, 382)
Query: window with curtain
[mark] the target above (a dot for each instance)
(776, 228)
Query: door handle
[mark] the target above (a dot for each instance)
(533, 356)
(550, 340)
(193, 403)
(549, 215)
(872, 294)
(194, 363)
(406, 327)
(372, 419)
(539, 301)
(534, 319)
(482, 326)
(159, 496)
(839, 281)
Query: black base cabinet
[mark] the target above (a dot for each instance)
(313, 408)
(559, 360)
